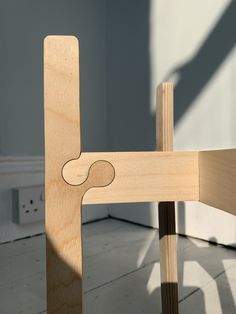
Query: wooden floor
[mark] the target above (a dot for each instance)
(121, 266)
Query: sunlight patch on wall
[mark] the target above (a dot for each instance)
(209, 123)
(177, 31)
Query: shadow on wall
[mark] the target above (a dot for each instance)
(132, 127)
(195, 74)
(131, 123)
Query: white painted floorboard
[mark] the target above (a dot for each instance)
(121, 265)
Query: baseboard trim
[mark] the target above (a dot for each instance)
(21, 164)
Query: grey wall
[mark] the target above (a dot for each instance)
(131, 124)
(23, 25)
(192, 45)
(127, 49)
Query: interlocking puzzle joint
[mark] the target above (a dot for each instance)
(115, 177)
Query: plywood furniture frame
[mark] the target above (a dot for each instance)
(74, 178)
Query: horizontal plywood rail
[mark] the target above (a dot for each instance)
(139, 176)
(206, 176)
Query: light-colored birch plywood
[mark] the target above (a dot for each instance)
(165, 117)
(140, 176)
(95, 178)
(166, 210)
(63, 202)
(218, 179)
(62, 142)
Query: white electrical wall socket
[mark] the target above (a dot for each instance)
(28, 204)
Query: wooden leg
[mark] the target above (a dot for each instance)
(63, 204)
(168, 250)
(64, 201)
(169, 284)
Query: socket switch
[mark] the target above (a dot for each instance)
(28, 204)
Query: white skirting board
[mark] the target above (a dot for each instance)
(27, 171)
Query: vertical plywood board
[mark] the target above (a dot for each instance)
(62, 142)
(165, 117)
(166, 210)
(217, 171)
(64, 201)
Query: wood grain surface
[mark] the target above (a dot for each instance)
(166, 210)
(218, 179)
(140, 176)
(63, 201)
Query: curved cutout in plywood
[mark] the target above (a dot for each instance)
(140, 176)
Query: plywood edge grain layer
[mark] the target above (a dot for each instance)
(165, 117)
(217, 179)
(140, 176)
(166, 210)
